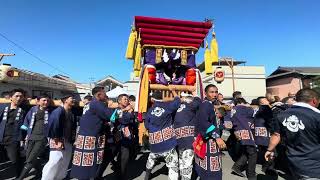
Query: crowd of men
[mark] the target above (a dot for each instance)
(187, 132)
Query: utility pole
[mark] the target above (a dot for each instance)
(230, 63)
(91, 82)
(3, 55)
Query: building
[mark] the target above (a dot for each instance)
(291, 79)
(131, 86)
(250, 80)
(56, 86)
(82, 89)
(109, 83)
(33, 83)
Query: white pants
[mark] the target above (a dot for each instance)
(185, 163)
(171, 158)
(57, 166)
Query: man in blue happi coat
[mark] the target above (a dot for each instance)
(124, 124)
(243, 125)
(90, 143)
(61, 134)
(263, 123)
(162, 139)
(11, 118)
(299, 127)
(184, 123)
(36, 125)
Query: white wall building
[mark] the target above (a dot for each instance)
(131, 86)
(250, 80)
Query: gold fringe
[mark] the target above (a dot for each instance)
(184, 57)
(158, 55)
(207, 61)
(137, 59)
(131, 44)
(214, 49)
(136, 73)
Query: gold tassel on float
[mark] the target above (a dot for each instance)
(137, 59)
(131, 44)
(136, 73)
(207, 61)
(184, 57)
(214, 48)
(158, 55)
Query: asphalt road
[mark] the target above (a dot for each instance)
(136, 171)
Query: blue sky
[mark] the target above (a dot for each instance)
(88, 38)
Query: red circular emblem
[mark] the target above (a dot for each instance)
(219, 74)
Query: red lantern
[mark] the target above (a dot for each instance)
(191, 77)
(219, 75)
(152, 72)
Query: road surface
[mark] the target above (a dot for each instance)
(136, 171)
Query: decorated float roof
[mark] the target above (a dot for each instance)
(169, 32)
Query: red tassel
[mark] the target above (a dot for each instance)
(200, 147)
(140, 118)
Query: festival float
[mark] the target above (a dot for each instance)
(164, 52)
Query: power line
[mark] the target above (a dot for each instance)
(31, 54)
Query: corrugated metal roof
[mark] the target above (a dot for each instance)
(307, 71)
(304, 70)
